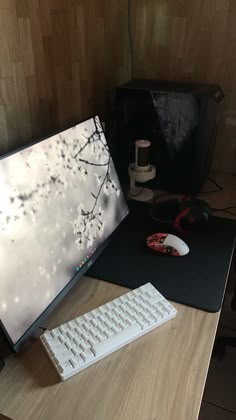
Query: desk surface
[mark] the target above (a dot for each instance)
(160, 376)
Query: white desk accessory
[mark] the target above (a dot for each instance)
(141, 171)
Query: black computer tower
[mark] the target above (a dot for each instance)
(145, 109)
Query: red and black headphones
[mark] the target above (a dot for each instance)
(184, 214)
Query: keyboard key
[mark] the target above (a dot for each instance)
(66, 367)
(81, 342)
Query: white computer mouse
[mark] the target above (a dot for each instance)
(168, 244)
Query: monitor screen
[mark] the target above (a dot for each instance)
(60, 199)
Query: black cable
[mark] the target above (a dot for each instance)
(131, 47)
(43, 328)
(219, 189)
(230, 212)
(218, 406)
(218, 186)
(226, 210)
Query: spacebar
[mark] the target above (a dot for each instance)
(116, 341)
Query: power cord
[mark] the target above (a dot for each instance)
(226, 210)
(219, 189)
(131, 46)
(178, 196)
(218, 186)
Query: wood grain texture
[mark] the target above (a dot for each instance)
(192, 40)
(59, 62)
(159, 376)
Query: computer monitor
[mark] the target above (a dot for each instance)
(60, 200)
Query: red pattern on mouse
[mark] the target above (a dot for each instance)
(165, 244)
(157, 238)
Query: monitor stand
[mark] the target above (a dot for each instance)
(5, 349)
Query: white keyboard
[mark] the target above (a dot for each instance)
(79, 343)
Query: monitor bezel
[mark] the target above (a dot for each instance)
(29, 332)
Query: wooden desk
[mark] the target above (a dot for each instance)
(160, 376)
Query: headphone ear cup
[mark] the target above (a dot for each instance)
(179, 224)
(165, 211)
(183, 215)
(190, 217)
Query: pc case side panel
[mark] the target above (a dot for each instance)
(137, 118)
(205, 142)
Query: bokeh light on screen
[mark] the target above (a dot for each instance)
(60, 200)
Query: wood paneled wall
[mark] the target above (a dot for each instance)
(59, 60)
(192, 40)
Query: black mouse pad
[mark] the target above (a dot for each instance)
(197, 279)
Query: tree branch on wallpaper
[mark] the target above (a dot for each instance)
(86, 159)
